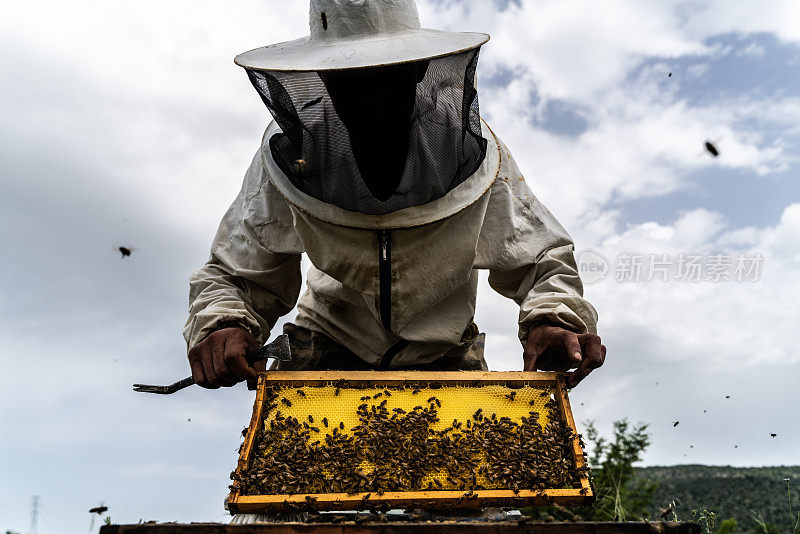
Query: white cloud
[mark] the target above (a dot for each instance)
(739, 318)
(752, 50)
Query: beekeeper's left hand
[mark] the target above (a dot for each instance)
(551, 348)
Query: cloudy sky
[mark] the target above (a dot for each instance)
(127, 123)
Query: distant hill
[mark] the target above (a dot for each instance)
(729, 492)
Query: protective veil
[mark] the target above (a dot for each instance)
(378, 139)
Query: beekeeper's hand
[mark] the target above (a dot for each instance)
(219, 359)
(551, 348)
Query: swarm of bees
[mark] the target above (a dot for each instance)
(392, 449)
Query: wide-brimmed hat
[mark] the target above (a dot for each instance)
(351, 34)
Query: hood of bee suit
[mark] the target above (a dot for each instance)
(378, 138)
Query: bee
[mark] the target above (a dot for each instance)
(336, 393)
(386, 392)
(430, 400)
(368, 397)
(377, 395)
(325, 421)
(511, 396)
(318, 99)
(286, 402)
(417, 390)
(310, 418)
(301, 392)
(341, 425)
(300, 165)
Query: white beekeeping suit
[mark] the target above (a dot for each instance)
(379, 168)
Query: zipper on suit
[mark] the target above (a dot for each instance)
(385, 269)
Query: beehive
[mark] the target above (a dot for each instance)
(505, 429)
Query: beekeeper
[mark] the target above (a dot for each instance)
(378, 167)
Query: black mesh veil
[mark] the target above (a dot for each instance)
(380, 139)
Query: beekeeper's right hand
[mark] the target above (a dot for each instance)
(219, 360)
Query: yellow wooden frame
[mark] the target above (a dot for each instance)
(237, 503)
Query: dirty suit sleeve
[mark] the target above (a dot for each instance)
(253, 275)
(530, 257)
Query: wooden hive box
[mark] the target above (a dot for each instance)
(505, 429)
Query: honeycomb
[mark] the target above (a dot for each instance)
(330, 409)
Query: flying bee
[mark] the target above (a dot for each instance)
(125, 252)
(711, 149)
(675, 424)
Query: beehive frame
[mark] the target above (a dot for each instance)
(238, 503)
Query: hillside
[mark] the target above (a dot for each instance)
(730, 492)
